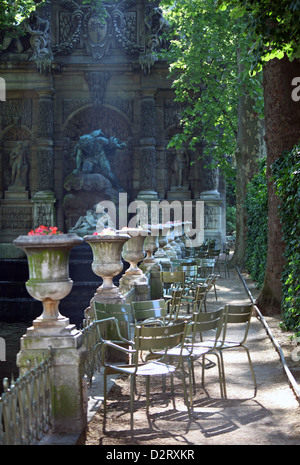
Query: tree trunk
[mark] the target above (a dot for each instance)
(282, 123)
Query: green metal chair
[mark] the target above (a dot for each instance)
(235, 316)
(203, 325)
(123, 315)
(145, 310)
(198, 295)
(202, 343)
(215, 254)
(154, 340)
(172, 280)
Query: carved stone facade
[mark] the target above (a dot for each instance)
(72, 74)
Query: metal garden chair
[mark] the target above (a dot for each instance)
(145, 310)
(155, 341)
(207, 329)
(235, 316)
(122, 313)
(172, 280)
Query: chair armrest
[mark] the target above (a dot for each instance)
(115, 321)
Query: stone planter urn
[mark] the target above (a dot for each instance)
(160, 255)
(49, 281)
(107, 263)
(169, 249)
(133, 252)
(178, 233)
(151, 245)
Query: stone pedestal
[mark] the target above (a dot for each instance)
(43, 208)
(212, 216)
(69, 401)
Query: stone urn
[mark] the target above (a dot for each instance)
(169, 249)
(107, 263)
(133, 252)
(151, 244)
(160, 255)
(178, 232)
(49, 281)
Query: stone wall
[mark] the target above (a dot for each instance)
(78, 76)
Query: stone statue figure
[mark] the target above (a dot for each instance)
(181, 164)
(94, 220)
(19, 167)
(91, 152)
(39, 30)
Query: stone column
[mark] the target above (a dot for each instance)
(148, 147)
(44, 199)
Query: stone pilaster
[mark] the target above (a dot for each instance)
(44, 199)
(148, 147)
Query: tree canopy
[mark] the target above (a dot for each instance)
(274, 27)
(12, 12)
(205, 45)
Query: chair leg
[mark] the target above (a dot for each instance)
(250, 366)
(251, 369)
(104, 397)
(132, 385)
(147, 393)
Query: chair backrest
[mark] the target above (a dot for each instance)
(172, 279)
(172, 276)
(179, 262)
(237, 314)
(175, 302)
(145, 309)
(189, 270)
(208, 322)
(121, 312)
(213, 253)
(160, 338)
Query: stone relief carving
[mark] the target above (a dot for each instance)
(97, 82)
(82, 27)
(16, 217)
(97, 33)
(16, 111)
(45, 169)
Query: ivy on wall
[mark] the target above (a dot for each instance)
(286, 172)
(256, 204)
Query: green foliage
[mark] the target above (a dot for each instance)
(203, 65)
(256, 205)
(12, 13)
(275, 26)
(286, 171)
